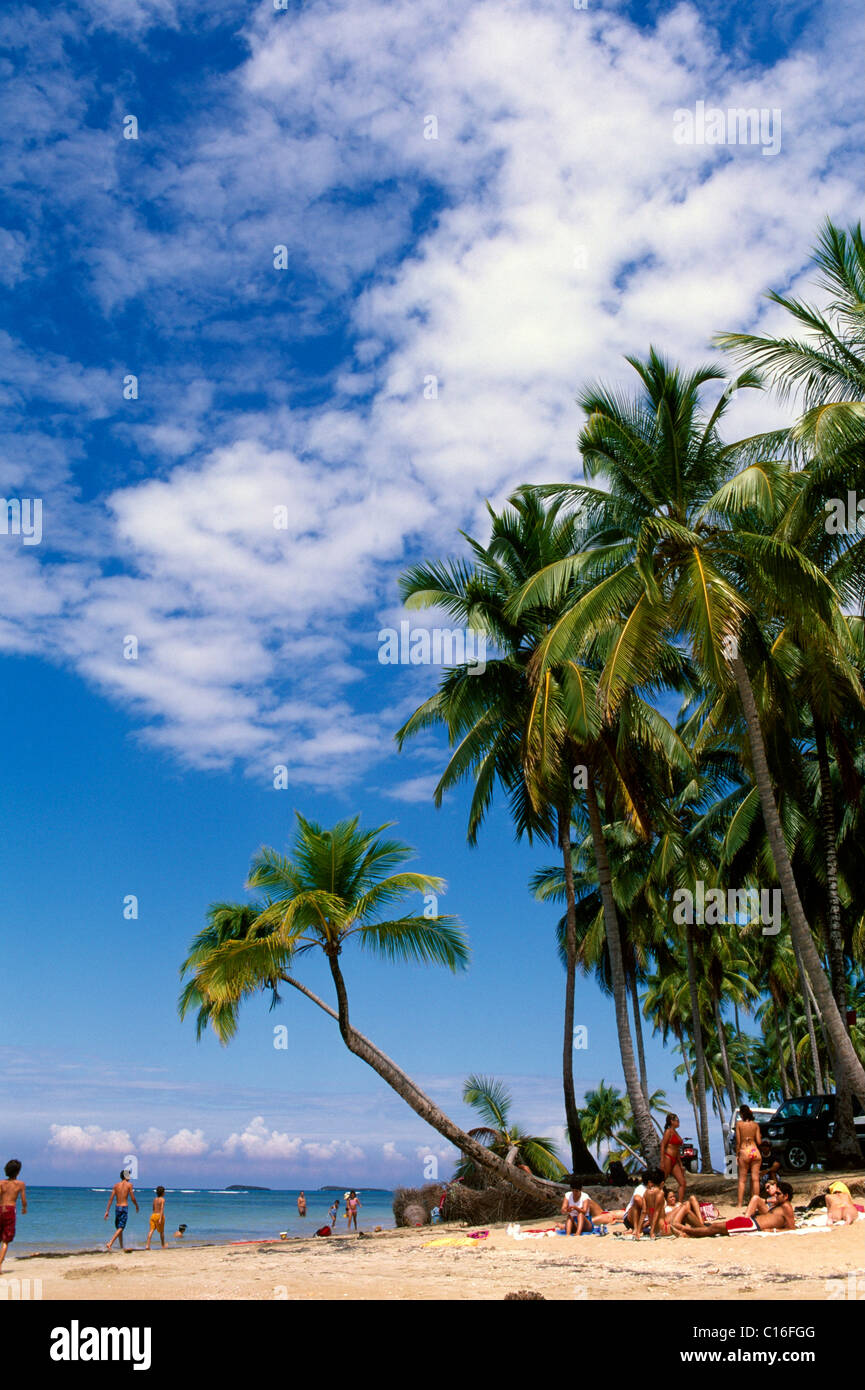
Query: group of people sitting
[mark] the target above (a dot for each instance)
(655, 1210)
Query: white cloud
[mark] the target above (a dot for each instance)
(79, 1139)
(571, 228)
(257, 1142)
(186, 1143)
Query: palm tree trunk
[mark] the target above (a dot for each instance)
(413, 1096)
(582, 1161)
(794, 1059)
(699, 1053)
(690, 1079)
(827, 816)
(779, 1042)
(725, 1060)
(638, 1030)
(752, 1085)
(846, 1064)
(809, 1022)
(639, 1107)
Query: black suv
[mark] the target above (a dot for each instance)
(801, 1128)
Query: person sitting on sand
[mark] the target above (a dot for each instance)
(157, 1218)
(768, 1201)
(654, 1206)
(840, 1207)
(781, 1218)
(578, 1209)
(180, 1232)
(770, 1166)
(10, 1190)
(633, 1214)
(688, 1213)
(121, 1193)
(671, 1163)
(748, 1156)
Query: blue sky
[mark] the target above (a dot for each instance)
(552, 225)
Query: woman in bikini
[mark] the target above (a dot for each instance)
(748, 1156)
(671, 1164)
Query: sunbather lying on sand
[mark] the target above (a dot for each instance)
(781, 1218)
(840, 1207)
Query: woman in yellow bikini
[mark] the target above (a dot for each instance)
(748, 1156)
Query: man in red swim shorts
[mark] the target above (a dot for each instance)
(780, 1218)
(10, 1190)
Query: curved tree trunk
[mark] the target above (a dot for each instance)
(582, 1161)
(642, 1118)
(413, 1096)
(699, 1053)
(846, 1064)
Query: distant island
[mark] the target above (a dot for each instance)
(347, 1188)
(245, 1187)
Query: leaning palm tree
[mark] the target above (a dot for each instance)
(501, 1136)
(327, 896)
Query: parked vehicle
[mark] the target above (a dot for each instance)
(688, 1155)
(801, 1128)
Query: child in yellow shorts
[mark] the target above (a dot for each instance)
(157, 1217)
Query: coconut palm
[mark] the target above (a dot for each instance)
(604, 1111)
(684, 543)
(501, 1136)
(328, 896)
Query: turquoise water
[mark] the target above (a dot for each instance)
(70, 1218)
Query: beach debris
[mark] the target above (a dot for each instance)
(525, 1294)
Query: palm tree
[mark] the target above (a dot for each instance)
(684, 544)
(604, 1111)
(491, 1099)
(489, 715)
(327, 896)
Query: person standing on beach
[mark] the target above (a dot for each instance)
(351, 1209)
(120, 1195)
(10, 1190)
(333, 1212)
(301, 1204)
(157, 1218)
(671, 1163)
(748, 1155)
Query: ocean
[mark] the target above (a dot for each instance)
(70, 1218)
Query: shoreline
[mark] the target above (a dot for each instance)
(402, 1263)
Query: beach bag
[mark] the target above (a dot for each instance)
(323, 1231)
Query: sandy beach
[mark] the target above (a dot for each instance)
(401, 1264)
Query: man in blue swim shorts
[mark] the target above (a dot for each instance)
(120, 1195)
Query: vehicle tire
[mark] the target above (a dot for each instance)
(798, 1156)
